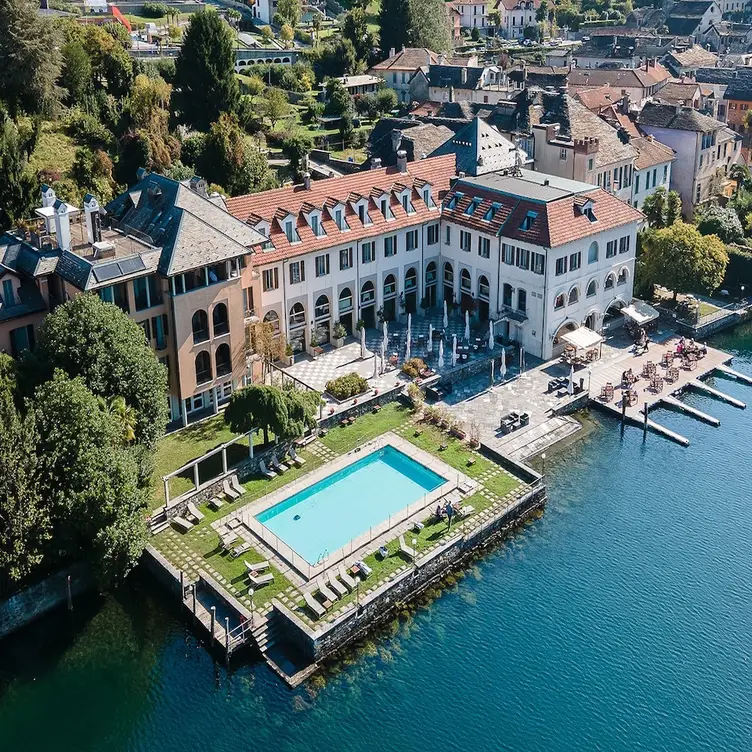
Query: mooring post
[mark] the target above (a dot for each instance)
(645, 422)
(193, 590)
(213, 619)
(623, 408)
(182, 585)
(227, 640)
(70, 594)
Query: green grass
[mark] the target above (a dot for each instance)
(707, 308)
(342, 439)
(55, 149)
(457, 453)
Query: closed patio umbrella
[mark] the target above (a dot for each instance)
(407, 348)
(446, 317)
(490, 335)
(467, 325)
(503, 367)
(454, 350)
(363, 350)
(570, 385)
(430, 338)
(441, 353)
(375, 365)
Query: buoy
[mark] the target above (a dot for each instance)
(296, 517)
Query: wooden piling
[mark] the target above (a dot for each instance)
(213, 619)
(70, 594)
(645, 423)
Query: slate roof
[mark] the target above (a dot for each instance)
(411, 58)
(451, 75)
(651, 152)
(687, 119)
(740, 88)
(676, 92)
(623, 78)
(541, 76)
(22, 257)
(683, 26)
(719, 75)
(694, 57)
(417, 139)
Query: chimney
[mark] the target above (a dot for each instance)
(62, 225)
(624, 104)
(396, 139)
(307, 181)
(392, 52)
(48, 196)
(93, 228)
(464, 75)
(375, 163)
(442, 59)
(198, 185)
(402, 160)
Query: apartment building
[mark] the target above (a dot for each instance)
(515, 16)
(167, 254)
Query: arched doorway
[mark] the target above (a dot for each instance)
(558, 343)
(321, 320)
(411, 290)
(297, 327)
(345, 308)
(390, 298)
(612, 318)
(368, 305)
(431, 280)
(591, 320)
(448, 283)
(467, 303)
(484, 293)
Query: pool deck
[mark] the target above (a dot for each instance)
(295, 566)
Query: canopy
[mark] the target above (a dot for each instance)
(582, 338)
(640, 312)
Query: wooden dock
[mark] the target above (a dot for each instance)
(702, 387)
(730, 372)
(689, 410)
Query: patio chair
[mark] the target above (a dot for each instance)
(216, 503)
(407, 550)
(230, 493)
(235, 485)
(364, 568)
(182, 524)
(260, 580)
(256, 566)
(299, 461)
(467, 510)
(314, 605)
(194, 513)
(244, 548)
(328, 594)
(265, 471)
(277, 465)
(349, 581)
(336, 584)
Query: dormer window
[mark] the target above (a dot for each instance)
(527, 222)
(588, 212)
(491, 213)
(428, 198)
(290, 230)
(474, 204)
(386, 210)
(314, 222)
(362, 209)
(339, 218)
(407, 205)
(454, 199)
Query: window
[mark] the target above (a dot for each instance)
(507, 253)
(322, 265)
(160, 330)
(698, 193)
(411, 240)
(21, 339)
(506, 295)
(147, 291)
(411, 279)
(220, 320)
(590, 164)
(321, 309)
(297, 316)
(491, 213)
(407, 205)
(522, 301)
(147, 330)
(367, 293)
(345, 300)
(270, 279)
(527, 223)
(559, 302)
(484, 289)
(203, 367)
(345, 259)
(473, 205)
(539, 263)
(428, 200)
(200, 327)
(665, 167)
(611, 249)
(448, 235)
(431, 274)
(338, 220)
(222, 360)
(390, 286)
(574, 295)
(289, 231)
(622, 278)
(523, 258)
(637, 184)
(432, 234)
(592, 288)
(272, 317)
(390, 245)
(563, 155)
(609, 283)
(8, 299)
(624, 244)
(465, 241)
(367, 252)
(484, 247)
(448, 274)
(117, 294)
(592, 254)
(315, 224)
(561, 266)
(575, 261)
(466, 282)
(297, 272)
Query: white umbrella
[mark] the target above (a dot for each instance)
(570, 385)
(492, 370)
(522, 359)
(503, 367)
(441, 353)
(363, 350)
(375, 365)
(490, 335)
(386, 331)
(467, 325)
(446, 318)
(383, 355)
(407, 348)
(430, 338)
(454, 350)
(409, 322)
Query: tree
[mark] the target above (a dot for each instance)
(339, 101)
(274, 105)
(393, 26)
(346, 130)
(253, 86)
(29, 58)
(716, 220)
(205, 71)
(267, 35)
(291, 11)
(124, 417)
(662, 209)
(355, 28)
(76, 75)
(673, 208)
(296, 148)
(97, 341)
(531, 32)
(18, 186)
(475, 34)
(681, 259)
(741, 174)
(286, 34)
(428, 25)
(386, 100)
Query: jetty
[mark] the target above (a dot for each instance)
(730, 372)
(717, 393)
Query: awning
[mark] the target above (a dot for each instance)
(582, 338)
(640, 312)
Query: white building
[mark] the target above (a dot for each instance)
(473, 14)
(652, 168)
(515, 16)
(264, 10)
(538, 254)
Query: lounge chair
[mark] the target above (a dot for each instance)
(278, 466)
(194, 512)
(363, 567)
(235, 485)
(466, 510)
(230, 493)
(256, 566)
(216, 503)
(346, 578)
(405, 548)
(182, 524)
(243, 548)
(299, 461)
(314, 605)
(264, 470)
(328, 594)
(336, 584)
(262, 579)
(229, 539)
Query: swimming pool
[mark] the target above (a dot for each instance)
(331, 512)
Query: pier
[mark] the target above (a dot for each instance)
(689, 410)
(701, 387)
(731, 373)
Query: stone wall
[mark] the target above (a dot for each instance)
(363, 406)
(164, 572)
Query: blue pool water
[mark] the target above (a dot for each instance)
(329, 514)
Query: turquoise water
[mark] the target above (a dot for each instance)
(619, 621)
(330, 513)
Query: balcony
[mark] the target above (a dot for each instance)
(511, 314)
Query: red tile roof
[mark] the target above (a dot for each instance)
(325, 194)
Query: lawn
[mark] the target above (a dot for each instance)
(55, 150)
(707, 308)
(342, 439)
(457, 453)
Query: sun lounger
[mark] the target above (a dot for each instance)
(230, 493)
(256, 566)
(194, 512)
(277, 465)
(364, 568)
(182, 524)
(216, 503)
(418, 526)
(262, 579)
(244, 548)
(314, 605)
(328, 594)
(466, 488)
(405, 548)
(265, 470)
(229, 539)
(336, 584)
(299, 461)
(466, 510)
(349, 581)
(235, 485)
(234, 522)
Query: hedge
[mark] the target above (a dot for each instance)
(346, 386)
(739, 269)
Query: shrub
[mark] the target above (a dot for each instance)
(716, 220)
(88, 131)
(339, 331)
(416, 394)
(346, 386)
(413, 367)
(155, 10)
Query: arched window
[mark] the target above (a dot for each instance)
(592, 254)
(431, 274)
(200, 326)
(220, 322)
(466, 281)
(592, 288)
(506, 293)
(297, 316)
(272, 317)
(390, 286)
(367, 293)
(345, 300)
(411, 279)
(610, 281)
(522, 300)
(222, 360)
(559, 302)
(574, 295)
(448, 274)
(484, 289)
(321, 310)
(203, 367)
(623, 274)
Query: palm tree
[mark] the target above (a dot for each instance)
(124, 417)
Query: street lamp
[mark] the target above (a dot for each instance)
(543, 457)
